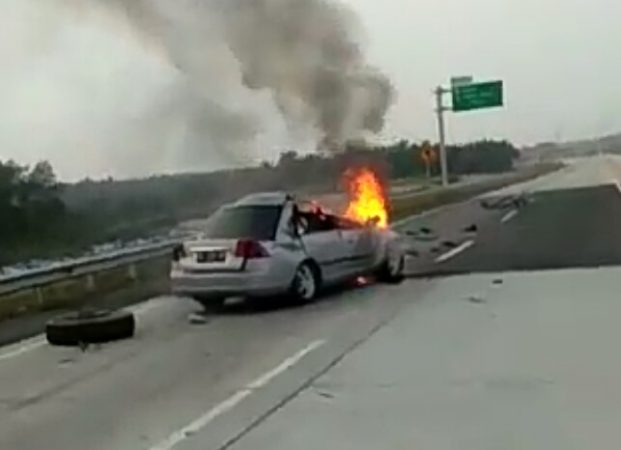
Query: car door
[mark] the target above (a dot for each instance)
(358, 245)
(323, 242)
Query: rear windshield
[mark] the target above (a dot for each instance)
(253, 222)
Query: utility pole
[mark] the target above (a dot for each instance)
(440, 112)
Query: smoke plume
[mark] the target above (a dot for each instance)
(304, 53)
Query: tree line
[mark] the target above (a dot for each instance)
(41, 217)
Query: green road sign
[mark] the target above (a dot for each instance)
(477, 95)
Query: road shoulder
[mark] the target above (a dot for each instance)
(474, 365)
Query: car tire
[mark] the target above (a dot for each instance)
(305, 284)
(392, 271)
(90, 327)
(210, 304)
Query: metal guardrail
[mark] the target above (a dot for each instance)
(82, 266)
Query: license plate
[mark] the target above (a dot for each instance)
(209, 257)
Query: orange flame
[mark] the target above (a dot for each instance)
(366, 195)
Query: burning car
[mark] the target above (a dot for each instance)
(273, 243)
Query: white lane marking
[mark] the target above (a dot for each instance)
(195, 426)
(23, 347)
(510, 215)
(285, 365)
(201, 422)
(456, 251)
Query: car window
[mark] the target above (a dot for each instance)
(258, 222)
(316, 222)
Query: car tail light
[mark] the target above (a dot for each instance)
(179, 252)
(249, 249)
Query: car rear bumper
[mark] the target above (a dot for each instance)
(226, 284)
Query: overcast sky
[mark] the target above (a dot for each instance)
(74, 87)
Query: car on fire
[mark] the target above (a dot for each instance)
(273, 243)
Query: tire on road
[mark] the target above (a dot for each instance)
(305, 284)
(391, 272)
(90, 327)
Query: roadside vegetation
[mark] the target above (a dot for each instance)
(41, 217)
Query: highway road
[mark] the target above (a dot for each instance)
(501, 354)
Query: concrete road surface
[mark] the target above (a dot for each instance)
(488, 359)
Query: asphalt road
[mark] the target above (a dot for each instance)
(576, 227)
(521, 359)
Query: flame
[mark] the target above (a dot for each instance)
(366, 195)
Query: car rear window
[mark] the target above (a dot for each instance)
(253, 222)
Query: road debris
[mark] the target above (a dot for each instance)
(197, 318)
(324, 394)
(471, 228)
(89, 326)
(476, 299)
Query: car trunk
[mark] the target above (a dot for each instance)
(214, 255)
(232, 236)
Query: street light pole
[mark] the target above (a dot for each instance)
(440, 112)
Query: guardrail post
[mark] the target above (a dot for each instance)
(90, 282)
(132, 272)
(39, 294)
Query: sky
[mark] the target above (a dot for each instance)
(79, 89)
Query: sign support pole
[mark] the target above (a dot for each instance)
(440, 112)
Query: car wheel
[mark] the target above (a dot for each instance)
(210, 304)
(392, 269)
(305, 284)
(89, 327)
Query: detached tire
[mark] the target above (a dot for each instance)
(90, 327)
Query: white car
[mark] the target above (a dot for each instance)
(270, 243)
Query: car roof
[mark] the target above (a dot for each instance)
(265, 198)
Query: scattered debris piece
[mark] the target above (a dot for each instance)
(497, 281)
(197, 319)
(66, 361)
(476, 299)
(424, 234)
(471, 228)
(325, 394)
